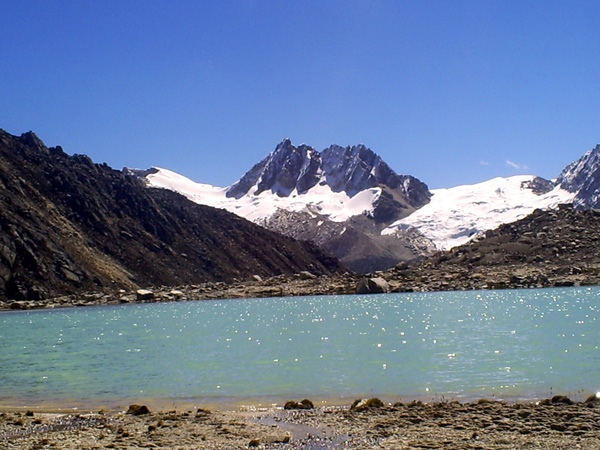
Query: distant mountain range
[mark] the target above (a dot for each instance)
(350, 203)
(68, 225)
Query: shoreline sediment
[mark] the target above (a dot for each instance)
(400, 280)
(557, 423)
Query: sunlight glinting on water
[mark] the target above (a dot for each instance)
(514, 344)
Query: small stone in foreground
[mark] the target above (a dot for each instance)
(304, 404)
(138, 410)
(562, 399)
(364, 404)
(594, 398)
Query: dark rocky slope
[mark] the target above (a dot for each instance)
(68, 225)
(545, 249)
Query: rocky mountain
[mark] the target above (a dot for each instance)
(69, 225)
(354, 206)
(582, 177)
(340, 198)
(350, 170)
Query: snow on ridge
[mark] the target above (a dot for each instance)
(453, 217)
(197, 192)
(456, 215)
(338, 206)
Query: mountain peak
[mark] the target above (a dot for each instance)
(583, 178)
(350, 169)
(285, 169)
(355, 168)
(30, 139)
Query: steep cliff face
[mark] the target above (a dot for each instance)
(354, 169)
(286, 169)
(350, 170)
(582, 177)
(67, 225)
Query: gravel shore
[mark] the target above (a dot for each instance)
(555, 423)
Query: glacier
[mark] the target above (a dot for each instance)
(456, 215)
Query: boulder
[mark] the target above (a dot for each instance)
(271, 439)
(594, 398)
(144, 295)
(306, 275)
(138, 410)
(561, 399)
(364, 404)
(375, 285)
(304, 404)
(19, 305)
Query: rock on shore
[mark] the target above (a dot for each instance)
(546, 249)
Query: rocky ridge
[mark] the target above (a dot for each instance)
(68, 225)
(551, 248)
(356, 242)
(583, 178)
(555, 248)
(349, 169)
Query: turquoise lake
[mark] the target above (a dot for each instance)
(507, 344)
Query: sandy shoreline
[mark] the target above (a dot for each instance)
(556, 423)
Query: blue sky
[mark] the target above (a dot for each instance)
(452, 92)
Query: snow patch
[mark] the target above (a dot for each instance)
(319, 200)
(456, 215)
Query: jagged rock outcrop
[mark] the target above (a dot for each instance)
(538, 185)
(69, 225)
(354, 169)
(583, 178)
(344, 169)
(286, 169)
(357, 242)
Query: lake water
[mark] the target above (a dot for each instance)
(508, 344)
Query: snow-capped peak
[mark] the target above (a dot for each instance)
(350, 170)
(286, 169)
(582, 177)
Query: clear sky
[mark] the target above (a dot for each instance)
(452, 92)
